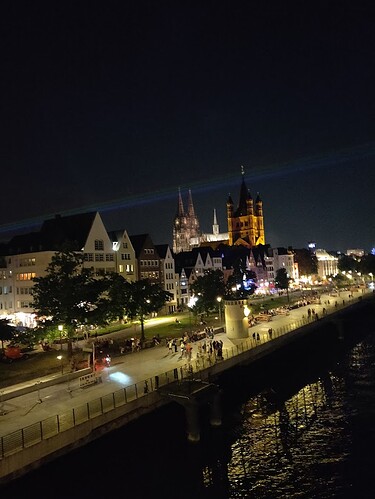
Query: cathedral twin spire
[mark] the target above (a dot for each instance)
(245, 224)
(185, 226)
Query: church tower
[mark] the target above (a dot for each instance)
(185, 225)
(245, 224)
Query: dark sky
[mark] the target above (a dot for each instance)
(114, 105)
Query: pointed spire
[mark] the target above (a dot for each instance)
(215, 226)
(242, 210)
(190, 205)
(180, 209)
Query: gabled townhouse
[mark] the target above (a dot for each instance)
(125, 259)
(279, 258)
(253, 259)
(192, 264)
(182, 288)
(257, 264)
(28, 256)
(168, 275)
(148, 262)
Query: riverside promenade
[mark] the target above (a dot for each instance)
(52, 407)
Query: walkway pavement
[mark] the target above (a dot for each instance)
(126, 370)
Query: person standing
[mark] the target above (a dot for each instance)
(170, 346)
(182, 349)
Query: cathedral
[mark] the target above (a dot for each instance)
(245, 224)
(185, 226)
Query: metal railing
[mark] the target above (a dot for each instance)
(52, 426)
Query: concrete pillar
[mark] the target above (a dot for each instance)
(216, 409)
(339, 323)
(236, 323)
(192, 420)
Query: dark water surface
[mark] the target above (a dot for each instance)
(300, 425)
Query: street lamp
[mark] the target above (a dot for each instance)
(191, 303)
(60, 357)
(60, 328)
(219, 298)
(246, 311)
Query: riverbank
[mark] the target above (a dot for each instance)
(123, 386)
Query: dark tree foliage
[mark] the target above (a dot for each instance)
(235, 286)
(143, 298)
(307, 261)
(207, 288)
(68, 294)
(282, 280)
(367, 264)
(6, 332)
(347, 263)
(111, 304)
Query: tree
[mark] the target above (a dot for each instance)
(112, 302)
(367, 264)
(68, 294)
(242, 282)
(6, 332)
(307, 262)
(143, 298)
(282, 280)
(347, 263)
(207, 288)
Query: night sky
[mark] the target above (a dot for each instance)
(114, 105)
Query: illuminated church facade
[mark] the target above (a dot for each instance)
(245, 224)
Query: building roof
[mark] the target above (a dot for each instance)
(242, 203)
(162, 250)
(116, 235)
(188, 259)
(73, 229)
(54, 235)
(139, 241)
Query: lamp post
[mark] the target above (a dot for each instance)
(93, 356)
(219, 298)
(60, 328)
(60, 357)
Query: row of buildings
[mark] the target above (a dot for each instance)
(136, 257)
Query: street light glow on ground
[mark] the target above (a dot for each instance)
(121, 378)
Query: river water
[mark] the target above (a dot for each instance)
(300, 425)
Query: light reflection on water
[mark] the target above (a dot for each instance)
(307, 444)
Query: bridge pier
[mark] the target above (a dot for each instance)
(339, 325)
(192, 395)
(216, 409)
(192, 420)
